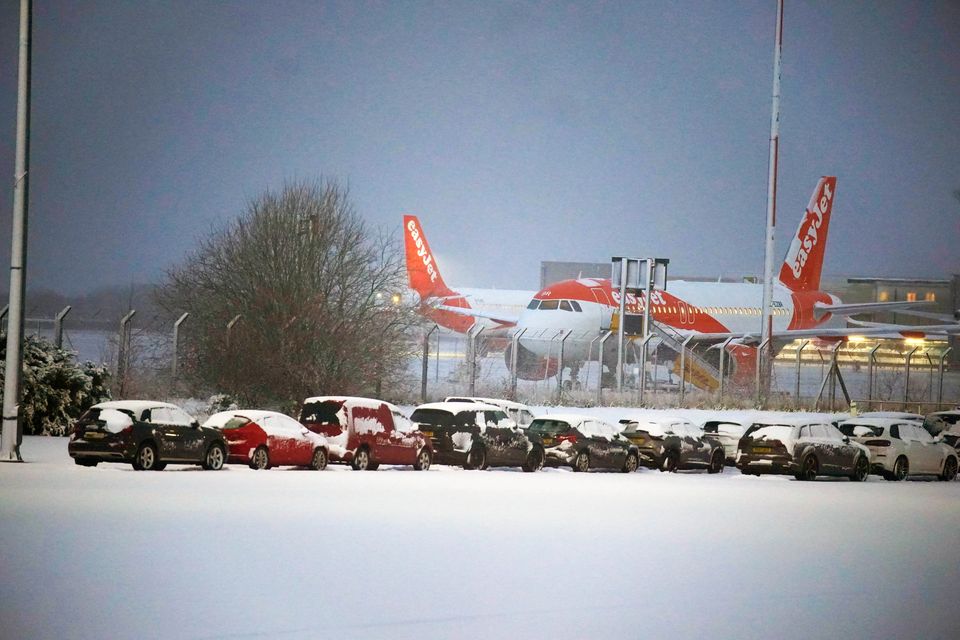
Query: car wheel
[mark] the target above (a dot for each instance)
(808, 469)
(861, 469)
(361, 459)
(582, 462)
(146, 458)
(86, 462)
(631, 463)
(260, 459)
(423, 461)
(215, 457)
(901, 468)
(476, 459)
(319, 460)
(949, 469)
(716, 463)
(534, 461)
(669, 462)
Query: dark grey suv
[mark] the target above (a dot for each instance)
(804, 450)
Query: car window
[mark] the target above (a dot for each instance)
(819, 431)
(437, 417)
(326, 412)
(907, 433)
(854, 430)
(832, 432)
(158, 415)
(286, 423)
(548, 426)
(780, 432)
(805, 432)
(922, 436)
(180, 417)
(235, 423)
(402, 423)
(525, 417)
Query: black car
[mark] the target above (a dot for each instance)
(148, 435)
(583, 442)
(671, 444)
(476, 436)
(804, 450)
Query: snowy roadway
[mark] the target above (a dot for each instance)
(112, 553)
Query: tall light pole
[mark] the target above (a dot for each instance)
(766, 328)
(12, 433)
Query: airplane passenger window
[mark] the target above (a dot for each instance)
(549, 305)
(533, 304)
(576, 306)
(565, 306)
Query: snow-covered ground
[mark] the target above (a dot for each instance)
(113, 553)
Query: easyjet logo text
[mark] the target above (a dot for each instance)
(422, 250)
(810, 238)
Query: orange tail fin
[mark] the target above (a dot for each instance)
(422, 270)
(804, 261)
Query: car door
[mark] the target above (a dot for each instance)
(693, 450)
(168, 434)
(603, 452)
(926, 452)
(846, 450)
(827, 450)
(404, 442)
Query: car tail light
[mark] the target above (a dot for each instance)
(877, 443)
(570, 437)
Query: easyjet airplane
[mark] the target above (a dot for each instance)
(710, 311)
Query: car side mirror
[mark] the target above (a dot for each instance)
(195, 424)
(846, 439)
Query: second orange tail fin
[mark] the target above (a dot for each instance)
(804, 260)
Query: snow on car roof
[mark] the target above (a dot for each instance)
(221, 418)
(902, 415)
(497, 402)
(454, 407)
(569, 418)
(874, 421)
(134, 405)
(356, 401)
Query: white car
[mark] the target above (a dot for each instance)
(899, 448)
(728, 433)
(942, 421)
(519, 412)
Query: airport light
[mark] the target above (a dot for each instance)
(856, 339)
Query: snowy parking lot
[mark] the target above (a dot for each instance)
(108, 552)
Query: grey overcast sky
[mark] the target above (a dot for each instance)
(517, 131)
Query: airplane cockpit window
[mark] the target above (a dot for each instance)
(565, 305)
(533, 304)
(549, 305)
(576, 306)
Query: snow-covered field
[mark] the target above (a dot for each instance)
(112, 553)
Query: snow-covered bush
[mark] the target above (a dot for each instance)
(56, 389)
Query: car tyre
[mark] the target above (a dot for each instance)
(716, 463)
(581, 463)
(861, 469)
(901, 469)
(146, 458)
(808, 469)
(949, 469)
(361, 460)
(319, 460)
(260, 459)
(216, 456)
(534, 461)
(423, 461)
(631, 463)
(669, 463)
(476, 459)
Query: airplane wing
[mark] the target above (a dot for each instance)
(499, 318)
(865, 307)
(893, 331)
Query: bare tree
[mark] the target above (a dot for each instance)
(316, 292)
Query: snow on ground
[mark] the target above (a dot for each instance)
(109, 552)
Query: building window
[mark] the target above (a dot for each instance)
(883, 296)
(930, 296)
(911, 296)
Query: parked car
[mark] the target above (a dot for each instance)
(899, 449)
(583, 442)
(476, 436)
(673, 443)
(146, 434)
(804, 449)
(264, 439)
(946, 422)
(366, 433)
(518, 412)
(728, 434)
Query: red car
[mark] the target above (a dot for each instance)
(366, 433)
(264, 439)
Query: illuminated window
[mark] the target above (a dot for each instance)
(930, 296)
(883, 296)
(911, 296)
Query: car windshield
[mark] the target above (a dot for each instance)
(113, 420)
(781, 432)
(549, 427)
(325, 412)
(235, 422)
(445, 418)
(855, 430)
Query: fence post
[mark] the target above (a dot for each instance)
(514, 355)
(472, 345)
(563, 340)
(176, 344)
(760, 352)
(3, 315)
(122, 348)
(796, 389)
(643, 366)
(943, 356)
(425, 366)
(871, 361)
(58, 326)
(723, 353)
(834, 372)
(683, 368)
(603, 341)
(906, 377)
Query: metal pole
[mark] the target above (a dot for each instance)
(906, 377)
(760, 352)
(683, 368)
(603, 340)
(723, 353)
(620, 322)
(643, 366)
(834, 352)
(766, 328)
(930, 377)
(425, 368)
(12, 433)
(943, 357)
(472, 336)
(514, 355)
(176, 344)
(58, 326)
(871, 361)
(796, 391)
(122, 348)
(563, 340)
(436, 372)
